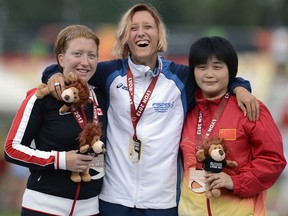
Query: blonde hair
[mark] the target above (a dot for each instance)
(121, 48)
(69, 33)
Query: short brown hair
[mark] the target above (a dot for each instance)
(69, 33)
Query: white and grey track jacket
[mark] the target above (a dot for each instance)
(153, 182)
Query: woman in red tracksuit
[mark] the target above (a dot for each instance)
(255, 146)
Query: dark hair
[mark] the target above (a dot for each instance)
(206, 47)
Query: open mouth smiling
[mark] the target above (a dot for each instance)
(142, 43)
(82, 71)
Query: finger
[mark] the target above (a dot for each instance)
(242, 107)
(217, 179)
(53, 86)
(81, 168)
(59, 87)
(50, 84)
(56, 85)
(58, 90)
(254, 109)
(218, 184)
(209, 178)
(214, 184)
(254, 112)
(257, 110)
(86, 158)
(249, 111)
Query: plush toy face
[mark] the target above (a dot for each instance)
(70, 95)
(216, 152)
(98, 145)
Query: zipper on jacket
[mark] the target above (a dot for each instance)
(136, 184)
(146, 80)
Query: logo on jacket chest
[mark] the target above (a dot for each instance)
(159, 107)
(122, 86)
(162, 107)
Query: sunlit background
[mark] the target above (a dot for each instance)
(257, 28)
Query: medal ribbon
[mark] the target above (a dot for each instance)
(218, 112)
(81, 117)
(136, 114)
(82, 121)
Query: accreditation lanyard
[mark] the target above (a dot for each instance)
(136, 114)
(198, 139)
(80, 116)
(82, 121)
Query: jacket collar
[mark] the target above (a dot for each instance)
(205, 104)
(139, 70)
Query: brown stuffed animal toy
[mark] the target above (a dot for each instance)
(213, 153)
(43, 90)
(75, 94)
(90, 142)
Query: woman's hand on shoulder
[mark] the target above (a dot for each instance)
(56, 85)
(247, 103)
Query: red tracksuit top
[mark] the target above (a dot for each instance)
(257, 148)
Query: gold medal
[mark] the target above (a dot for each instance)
(134, 150)
(196, 180)
(97, 164)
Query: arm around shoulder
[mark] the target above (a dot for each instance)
(246, 101)
(49, 71)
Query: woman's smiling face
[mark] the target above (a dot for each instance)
(212, 78)
(143, 38)
(80, 58)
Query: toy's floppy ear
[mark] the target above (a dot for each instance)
(200, 155)
(42, 90)
(70, 78)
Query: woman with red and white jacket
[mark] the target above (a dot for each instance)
(46, 141)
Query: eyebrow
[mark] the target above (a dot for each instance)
(217, 62)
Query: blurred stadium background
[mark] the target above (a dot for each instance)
(257, 28)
